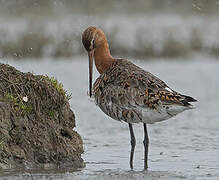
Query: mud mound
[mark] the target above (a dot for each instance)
(36, 122)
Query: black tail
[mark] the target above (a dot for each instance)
(187, 100)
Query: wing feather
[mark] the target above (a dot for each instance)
(127, 87)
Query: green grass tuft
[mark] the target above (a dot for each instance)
(51, 114)
(19, 105)
(59, 87)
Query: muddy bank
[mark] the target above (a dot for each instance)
(36, 122)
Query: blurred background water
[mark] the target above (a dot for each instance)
(176, 40)
(152, 28)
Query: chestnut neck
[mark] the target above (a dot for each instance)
(103, 58)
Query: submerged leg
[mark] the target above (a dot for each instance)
(146, 143)
(133, 142)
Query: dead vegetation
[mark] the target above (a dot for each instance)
(43, 93)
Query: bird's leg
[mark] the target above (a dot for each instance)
(133, 142)
(146, 143)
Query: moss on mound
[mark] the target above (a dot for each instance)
(36, 122)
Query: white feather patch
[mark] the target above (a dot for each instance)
(168, 89)
(152, 116)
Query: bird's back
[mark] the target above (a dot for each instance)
(128, 93)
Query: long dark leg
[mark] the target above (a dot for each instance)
(133, 142)
(146, 143)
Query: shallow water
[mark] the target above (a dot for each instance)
(184, 147)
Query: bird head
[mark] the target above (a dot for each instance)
(92, 38)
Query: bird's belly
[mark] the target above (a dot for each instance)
(152, 116)
(120, 113)
(138, 114)
(111, 111)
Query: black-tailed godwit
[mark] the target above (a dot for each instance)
(125, 92)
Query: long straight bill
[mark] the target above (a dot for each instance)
(91, 57)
